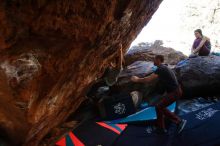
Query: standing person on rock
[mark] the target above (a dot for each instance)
(201, 45)
(173, 91)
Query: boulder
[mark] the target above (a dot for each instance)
(51, 51)
(140, 69)
(199, 76)
(147, 51)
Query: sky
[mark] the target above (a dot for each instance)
(168, 24)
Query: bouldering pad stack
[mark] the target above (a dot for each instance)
(202, 129)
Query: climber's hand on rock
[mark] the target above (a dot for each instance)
(134, 79)
(120, 45)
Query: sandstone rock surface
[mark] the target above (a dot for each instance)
(52, 50)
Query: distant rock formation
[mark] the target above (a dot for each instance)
(147, 51)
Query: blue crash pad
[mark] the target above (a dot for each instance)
(216, 53)
(146, 114)
(182, 63)
(202, 129)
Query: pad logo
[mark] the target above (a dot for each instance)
(119, 108)
(205, 114)
(150, 129)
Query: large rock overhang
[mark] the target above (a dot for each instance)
(51, 51)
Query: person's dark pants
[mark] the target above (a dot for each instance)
(162, 111)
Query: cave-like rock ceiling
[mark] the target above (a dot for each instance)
(51, 51)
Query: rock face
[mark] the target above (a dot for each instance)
(200, 76)
(147, 51)
(12, 118)
(52, 50)
(138, 68)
